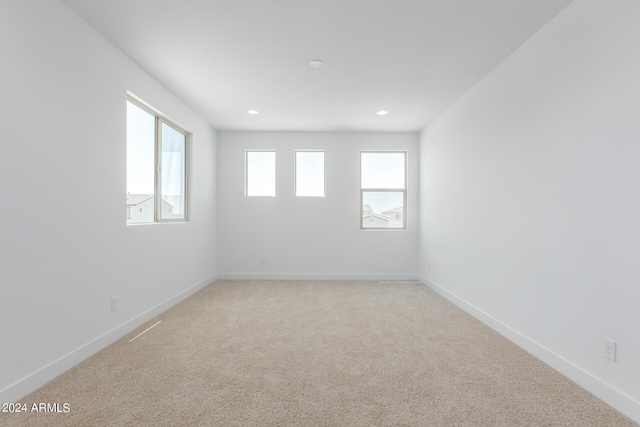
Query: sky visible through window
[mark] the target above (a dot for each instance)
(383, 170)
(142, 143)
(173, 173)
(310, 174)
(141, 129)
(261, 173)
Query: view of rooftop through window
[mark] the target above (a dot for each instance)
(383, 189)
(142, 181)
(141, 147)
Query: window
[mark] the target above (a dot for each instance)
(156, 167)
(310, 174)
(260, 173)
(383, 189)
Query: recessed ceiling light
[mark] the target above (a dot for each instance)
(252, 111)
(382, 113)
(316, 63)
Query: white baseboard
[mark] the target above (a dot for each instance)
(315, 276)
(609, 394)
(37, 379)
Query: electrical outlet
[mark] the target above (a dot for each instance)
(114, 303)
(260, 261)
(609, 349)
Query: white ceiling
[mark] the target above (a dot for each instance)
(413, 58)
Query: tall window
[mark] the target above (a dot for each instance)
(383, 189)
(156, 167)
(260, 172)
(310, 174)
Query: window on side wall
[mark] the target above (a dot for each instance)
(383, 190)
(156, 167)
(260, 173)
(310, 173)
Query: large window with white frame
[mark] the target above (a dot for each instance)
(309, 173)
(383, 190)
(260, 173)
(156, 167)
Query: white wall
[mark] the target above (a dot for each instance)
(311, 237)
(530, 197)
(65, 247)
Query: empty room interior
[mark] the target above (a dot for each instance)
(348, 212)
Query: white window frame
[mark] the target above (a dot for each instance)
(159, 121)
(385, 190)
(324, 172)
(246, 170)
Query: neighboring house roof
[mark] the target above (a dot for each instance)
(367, 209)
(395, 210)
(397, 222)
(136, 199)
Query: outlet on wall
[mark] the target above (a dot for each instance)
(114, 303)
(609, 349)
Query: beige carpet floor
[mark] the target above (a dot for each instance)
(312, 353)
